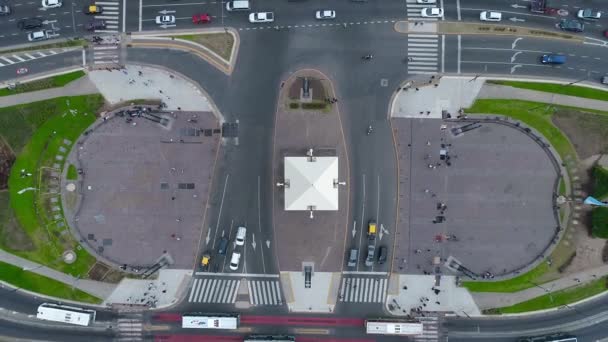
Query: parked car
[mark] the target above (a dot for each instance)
(201, 18)
(325, 14)
(37, 36)
(426, 1)
(51, 3)
(490, 16)
(571, 25)
(165, 19)
(605, 79)
(29, 23)
(589, 14)
(432, 12)
(5, 10)
(92, 9)
(241, 234)
(382, 255)
(96, 24)
(222, 246)
(353, 257)
(235, 260)
(553, 59)
(261, 17)
(371, 250)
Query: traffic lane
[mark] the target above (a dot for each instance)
(24, 331)
(511, 18)
(45, 64)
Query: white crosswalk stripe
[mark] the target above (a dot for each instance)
(214, 290)
(111, 15)
(430, 329)
(130, 328)
(264, 292)
(422, 53)
(28, 56)
(363, 289)
(106, 54)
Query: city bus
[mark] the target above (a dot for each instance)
(211, 321)
(269, 338)
(393, 327)
(559, 337)
(65, 314)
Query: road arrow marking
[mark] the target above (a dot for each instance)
(354, 228)
(515, 55)
(268, 243)
(165, 12)
(46, 22)
(253, 244)
(514, 19)
(515, 42)
(518, 6)
(208, 236)
(383, 231)
(515, 67)
(166, 26)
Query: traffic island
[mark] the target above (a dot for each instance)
(310, 205)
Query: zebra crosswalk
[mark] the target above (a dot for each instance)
(430, 331)
(130, 328)
(110, 15)
(214, 290)
(414, 10)
(264, 292)
(422, 53)
(21, 57)
(361, 289)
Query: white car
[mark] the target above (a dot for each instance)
(235, 260)
(490, 16)
(589, 13)
(432, 12)
(325, 14)
(426, 1)
(165, 19)
(261, 17)
(241, 233)
(51, 3)
(37, 35)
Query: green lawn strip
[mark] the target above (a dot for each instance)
(572, 90)
(29, 281)
(45, 83)
(73, 116)
(533, 114)
(518, 283)
(600, 182)
(220, 43)
(66, 44)
(562, 187)
(72, 173)
(558, 298)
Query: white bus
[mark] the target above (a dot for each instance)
(210, 321)
(393, 327)
(65, 314)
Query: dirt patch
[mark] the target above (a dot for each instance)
(113, 276)
(586, 131)
(220, 43)
(98, 271)
(11, 233)
(7, 158)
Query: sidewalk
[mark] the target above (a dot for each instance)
(495, 91)
(487, 300)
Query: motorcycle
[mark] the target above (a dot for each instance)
(369, 130)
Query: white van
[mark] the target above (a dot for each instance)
(238, 5)
(241, 233)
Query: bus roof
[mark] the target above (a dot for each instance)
(394, 328)
(209, 322)
(65, 316)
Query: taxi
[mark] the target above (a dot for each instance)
(205, 261)
(93, 9)
(372, 228)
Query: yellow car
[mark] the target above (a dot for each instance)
(93, 9)
(205, 261)
(371, 228)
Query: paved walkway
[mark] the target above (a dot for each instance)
(494, 300)
(495, 91)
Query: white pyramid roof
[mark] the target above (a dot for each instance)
(311, 183)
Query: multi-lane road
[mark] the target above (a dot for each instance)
(267, 56)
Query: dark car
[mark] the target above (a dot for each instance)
(571, 25)
(222, 246)
(382, 255)
(96, 24)
(29, 23)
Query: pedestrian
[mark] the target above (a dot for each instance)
(417, 89)
(438, 303)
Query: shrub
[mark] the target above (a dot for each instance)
(600, 182)
(294, 105)
(599, 222)
(314, 105)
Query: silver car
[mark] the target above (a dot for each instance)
(371, 251)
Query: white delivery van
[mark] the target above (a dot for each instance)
(238, 5)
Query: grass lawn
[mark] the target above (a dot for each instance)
(562, 187)
(72, 172)
(600, 182)
(51, 122)
(518, 283)
(572, 90)
(220, 43)
(43, 285)
(45, 83)
(558, 298)
(533, 114)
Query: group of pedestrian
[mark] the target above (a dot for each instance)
(331, 100)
